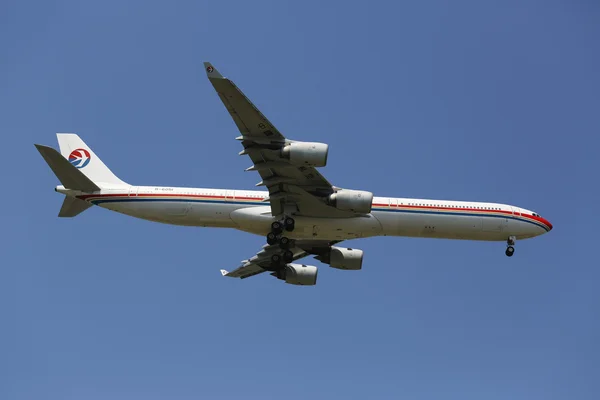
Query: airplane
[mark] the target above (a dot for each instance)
(300, 214)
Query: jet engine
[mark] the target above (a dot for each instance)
(298, 274)
(357, 201)
(345, 258)
(306, 153)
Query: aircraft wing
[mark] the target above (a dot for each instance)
(261, 262)
(295, 189)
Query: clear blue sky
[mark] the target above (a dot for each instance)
(474, 100)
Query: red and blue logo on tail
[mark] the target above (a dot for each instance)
(79, 158)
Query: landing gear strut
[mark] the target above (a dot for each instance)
(510, 250)
(288, 256)
(280, 273)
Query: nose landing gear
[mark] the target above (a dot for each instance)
(510, 250)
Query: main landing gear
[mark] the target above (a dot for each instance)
(287, 257)
(276, 237)
(277, 228)
(510, 250)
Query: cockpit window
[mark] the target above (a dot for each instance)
(536, 215)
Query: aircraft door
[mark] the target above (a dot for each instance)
(133, 191)
(512, 223)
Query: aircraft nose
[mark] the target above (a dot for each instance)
(548, 224)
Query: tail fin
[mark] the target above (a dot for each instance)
(67, 174)
(83, 158)
(73, 206)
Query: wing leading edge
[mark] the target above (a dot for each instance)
(293, 189)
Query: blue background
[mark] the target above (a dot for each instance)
(471, 100)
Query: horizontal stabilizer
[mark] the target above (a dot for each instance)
(72, 207)
(67, 174)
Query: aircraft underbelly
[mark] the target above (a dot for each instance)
(177, 213)
(339, 228)
(258, 220)
(434, 225)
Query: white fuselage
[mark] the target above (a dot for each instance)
(248, 211)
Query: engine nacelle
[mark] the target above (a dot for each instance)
(357, 201)
(306, 154)
(345, 258)
(298, 274)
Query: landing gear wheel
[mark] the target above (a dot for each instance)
(275, 258)
(510, 251)
(271, 238)
(284, 243)
(288, 256)
(289, 224)
(276, 227)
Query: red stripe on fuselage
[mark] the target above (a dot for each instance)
(469, 209)
(204, 196)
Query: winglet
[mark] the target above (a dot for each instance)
(224, 272)
(212, 72)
